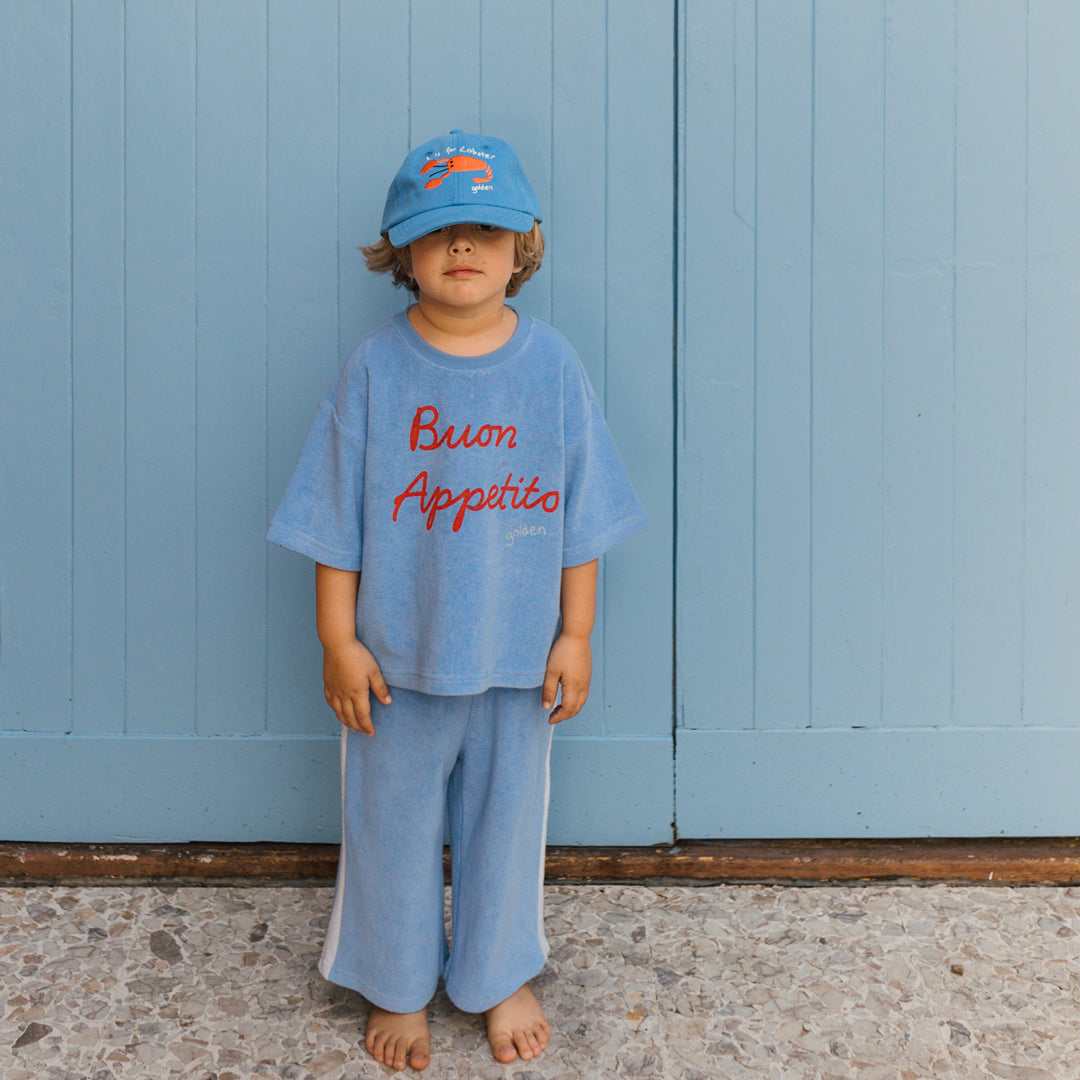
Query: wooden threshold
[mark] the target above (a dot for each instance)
(994, 861)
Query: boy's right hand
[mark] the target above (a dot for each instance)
(349, 673)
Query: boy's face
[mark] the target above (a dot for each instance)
(464, 267)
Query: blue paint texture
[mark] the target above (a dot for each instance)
(820, 259)
(877, 533)
(185, 188)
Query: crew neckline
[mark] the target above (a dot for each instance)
(464, 363)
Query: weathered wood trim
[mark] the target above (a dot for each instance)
(997, 861)
(200, 864)
(1012, 861)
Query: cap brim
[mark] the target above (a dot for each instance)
(405, 232)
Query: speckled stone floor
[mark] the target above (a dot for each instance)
(688, 983)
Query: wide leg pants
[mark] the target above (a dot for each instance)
(481, 762)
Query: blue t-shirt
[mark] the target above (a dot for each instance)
(460, 486)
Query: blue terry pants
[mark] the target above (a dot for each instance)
(483, 760)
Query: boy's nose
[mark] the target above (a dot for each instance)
(460, 241)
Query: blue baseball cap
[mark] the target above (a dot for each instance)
(454, 179)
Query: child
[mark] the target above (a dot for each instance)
(456, 489)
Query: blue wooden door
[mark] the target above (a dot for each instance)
(879, 519)
(183, 190)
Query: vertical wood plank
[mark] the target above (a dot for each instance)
(575, 227)
(637, 388)
(991, 194)
(847, 363)
(97, 332)
(575, 224)
(782, 420)
(35, 368)
(919, 392)
(303, 351)
(516, 105)
(160, 367)
(715, 557)
(231, 344)
(1052, 539)
(744, 104)
(576, 231)
(444, 67)
(374, 140)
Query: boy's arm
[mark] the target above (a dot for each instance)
(570, 659)
(349, 669)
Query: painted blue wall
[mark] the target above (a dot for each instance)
(871, 264)
(879, 519)
(184, 187)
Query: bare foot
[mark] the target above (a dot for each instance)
(517, 1027)
(399, 1039)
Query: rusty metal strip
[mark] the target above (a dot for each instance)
(1008, 861)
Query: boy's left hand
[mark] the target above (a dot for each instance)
(569, 663)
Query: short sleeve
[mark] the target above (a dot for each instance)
(321, 512)
(600, 508)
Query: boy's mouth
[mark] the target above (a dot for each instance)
(462, 271)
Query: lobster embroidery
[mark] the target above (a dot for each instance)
(458, 163)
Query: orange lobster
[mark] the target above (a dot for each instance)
(458, 163)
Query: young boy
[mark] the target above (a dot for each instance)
(456, 489)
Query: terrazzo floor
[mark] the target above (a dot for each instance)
(872, 982)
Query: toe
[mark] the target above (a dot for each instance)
(419, 1052)
(537, 1038)
(375, 1047)
(503, 1048)
(396, 1054)
(525, 1046)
